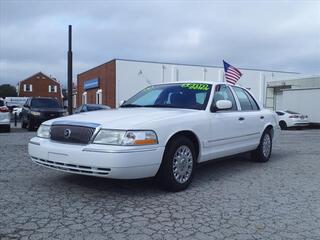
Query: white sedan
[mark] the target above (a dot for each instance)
(4, 116)
(164, 131)
(17, 110)
(289, 119)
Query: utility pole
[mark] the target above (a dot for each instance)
(70, 85)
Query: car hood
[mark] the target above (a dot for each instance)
(125, 118)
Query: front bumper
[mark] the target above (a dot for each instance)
(5, 119)
(118, 162)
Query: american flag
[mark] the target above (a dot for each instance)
(232, 74)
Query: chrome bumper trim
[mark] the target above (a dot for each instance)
(119, 151)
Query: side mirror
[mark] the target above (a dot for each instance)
(122, 102)
(221, 105)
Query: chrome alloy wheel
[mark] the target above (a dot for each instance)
(266, 145)
(182, 164)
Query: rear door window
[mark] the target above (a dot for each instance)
(243, 99)
(252, 101)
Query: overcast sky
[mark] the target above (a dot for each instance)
(273, 35)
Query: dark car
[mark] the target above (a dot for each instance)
(90, 107)
(39, 109)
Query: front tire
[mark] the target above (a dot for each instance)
(263, 152)
(178, 164)
(23, 124)
(30, 125)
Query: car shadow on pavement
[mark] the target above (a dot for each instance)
(134, 186)
(212, 170)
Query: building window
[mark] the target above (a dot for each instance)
(53, 89)
(27, 87)
(84, 98)
(99, 97)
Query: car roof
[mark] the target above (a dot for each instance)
(42, 98)
(200, 81)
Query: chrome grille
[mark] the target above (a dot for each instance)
(72, 167)
(72, 133)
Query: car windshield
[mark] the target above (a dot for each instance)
(45, 103)
(178, 95)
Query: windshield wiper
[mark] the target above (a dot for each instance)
(161, 105)
(130, 105)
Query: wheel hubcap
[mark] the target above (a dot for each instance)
(266, 145)
(182, 164)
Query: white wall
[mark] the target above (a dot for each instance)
(133, 76)
(304, 101)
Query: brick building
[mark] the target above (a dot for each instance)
(97, 85)
(40, 85)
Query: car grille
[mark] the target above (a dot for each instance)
(51, 115)
(72, 133)
(72, 167)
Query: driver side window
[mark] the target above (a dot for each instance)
(223, 92)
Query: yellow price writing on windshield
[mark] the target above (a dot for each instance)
(196, 86)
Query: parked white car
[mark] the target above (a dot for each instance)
(163, 132)
(17, 110)
(289, 119)
(4, 116)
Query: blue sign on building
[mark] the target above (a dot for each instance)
(92, 83)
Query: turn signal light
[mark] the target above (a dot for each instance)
(145, 142)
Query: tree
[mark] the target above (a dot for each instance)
(7, 90)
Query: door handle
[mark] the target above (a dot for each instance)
(241, 118)
(261, 117)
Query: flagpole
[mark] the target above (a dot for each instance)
(221, 76)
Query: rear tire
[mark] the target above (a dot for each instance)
(263, 152)
(178, 165)
(283, 125)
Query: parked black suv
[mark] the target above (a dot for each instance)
(38, 109)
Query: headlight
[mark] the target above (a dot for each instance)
(140, 138)
(111, 137)
(128, 138)
(35, 113)
(43, 131)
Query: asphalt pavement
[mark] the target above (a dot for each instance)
(230, 199)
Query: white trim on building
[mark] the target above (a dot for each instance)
(99, 96)
(84, 98)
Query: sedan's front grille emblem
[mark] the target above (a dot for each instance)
(67, 133)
